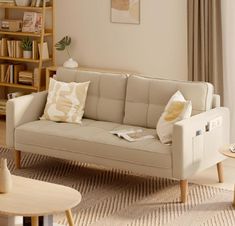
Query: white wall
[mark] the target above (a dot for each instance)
(157, 47)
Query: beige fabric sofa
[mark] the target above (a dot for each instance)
(118, 101)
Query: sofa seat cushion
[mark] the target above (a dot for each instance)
(92, 138)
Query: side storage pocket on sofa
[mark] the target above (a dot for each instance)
(198, 151)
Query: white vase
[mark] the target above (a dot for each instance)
(5, 177)
(27, 54)
(70, 63)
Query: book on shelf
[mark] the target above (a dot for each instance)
(25, 77)
(38, 3)
(18, 50)
(9, 72)
(35, 53)
(29, 21)
(45, 51)
(3, 71)
(7, 2)
(14, 48)
(36, 76)
(38, 25)
(3, 47)
(3, 106)
(33, 3)
(3, 102)
(17, 69)
(32, 22)
(11, 48)
(8, 76)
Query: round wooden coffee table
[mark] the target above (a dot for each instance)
(225, 151)
(33, 198)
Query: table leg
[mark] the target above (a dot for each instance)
(234, 198)
(69, 217)
(35, 221)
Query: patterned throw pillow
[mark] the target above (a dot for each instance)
(176, 110)
(65, 101)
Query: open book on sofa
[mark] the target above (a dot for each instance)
(132, 135)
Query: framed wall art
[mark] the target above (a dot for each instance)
(125, 11)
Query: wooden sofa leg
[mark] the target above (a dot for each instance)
(220, 172)
(18, 159)
(184, 190)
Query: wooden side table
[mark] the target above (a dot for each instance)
(50, 71)
(33, 198)
(225, 151)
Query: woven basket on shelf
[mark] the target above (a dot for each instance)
(22, 2)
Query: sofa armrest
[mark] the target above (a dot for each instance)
(22, 110)
(216, 102)
(195, 147)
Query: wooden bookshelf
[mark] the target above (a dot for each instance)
(19, 86)
(40, 63)
(26, 8)
(24, 60)
(24, 34)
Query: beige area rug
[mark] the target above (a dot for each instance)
(113, 198)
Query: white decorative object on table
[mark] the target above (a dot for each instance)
(70, 63)
(62, 45)
(22, 2)
(5, 177)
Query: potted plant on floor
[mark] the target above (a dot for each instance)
(27, 48)
(64, 44)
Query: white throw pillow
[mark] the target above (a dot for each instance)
(65, 101)
(176, 110)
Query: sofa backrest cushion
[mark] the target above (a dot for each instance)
(147, 97)
(106, 93)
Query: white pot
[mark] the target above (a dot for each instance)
(22, 2)
(70, 63)
(5, 177)
(27, 54)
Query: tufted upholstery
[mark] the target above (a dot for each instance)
(106, 93)
(143, 100)
(146, 98)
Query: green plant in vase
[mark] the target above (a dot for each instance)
(27, 48)
(64, 45)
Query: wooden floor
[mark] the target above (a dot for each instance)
(2, 132)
